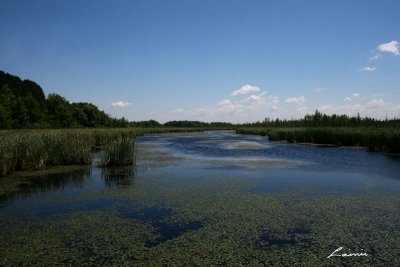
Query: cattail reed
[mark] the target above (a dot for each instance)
(379, 139)
(119, 153)
(36, 150)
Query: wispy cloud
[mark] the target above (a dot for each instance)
(228, 106)
(238, 109)
(391, 47)
(178, 110)
(368, 68)
(302, 109)
(295, 100)
(245, 89)
(375, 57)
(376, 107)
(120, 104)
(376, 102)
(350, 98)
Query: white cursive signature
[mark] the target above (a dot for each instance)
(363, 254)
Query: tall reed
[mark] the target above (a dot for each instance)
(35, 150)
(380, 139)
(119, 153)
(38, 149)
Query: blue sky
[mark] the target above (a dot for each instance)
(209, 60)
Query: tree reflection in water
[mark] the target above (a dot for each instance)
(120, 177)
(28, 185)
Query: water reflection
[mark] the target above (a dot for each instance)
(73, 181)
(227, 150)
(16, 187)
(119, 177)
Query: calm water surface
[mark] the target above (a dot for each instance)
(208, 198)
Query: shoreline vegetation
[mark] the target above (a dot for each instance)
(374, 139)
(28, 150)
(38, 132)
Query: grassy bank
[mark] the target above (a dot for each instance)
(22, 150)
(380, 139)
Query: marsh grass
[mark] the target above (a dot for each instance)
(120, 152)
(379, 139)
(36, 150)
(24, 150)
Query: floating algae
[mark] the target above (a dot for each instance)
(181, 212)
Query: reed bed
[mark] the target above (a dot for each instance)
(379, 139)
(22, 150)
(35, 150)
(119, 153)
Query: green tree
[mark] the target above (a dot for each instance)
(60, 112)
(7, 105)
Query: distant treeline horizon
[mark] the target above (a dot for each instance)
(23, 105)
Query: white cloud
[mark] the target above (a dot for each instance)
(248, 108)
(255, 99)
(227, 106)
(178, 110)
(350, 98)
(224, 102)
(302, 109)
(376, 102)
(391, 47)
(369, 69)
(325, 108)
(318, 90)
(377, 108)
(375, 57)
(246, 89)
(295, 100)
(120, 104)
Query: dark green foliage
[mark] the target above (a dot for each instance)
(23, 105)
(60, 111)
(21, 88)
(185, 124)
(88, 115)
(7, 105)
(145, 124)
(323, 120)
(199, 124)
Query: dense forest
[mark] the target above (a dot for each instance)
(23, 105)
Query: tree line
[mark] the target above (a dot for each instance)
(319, 119)
(23, 105)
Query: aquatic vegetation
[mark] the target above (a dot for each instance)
(120, 177)
(172, 215)
(380, 139)
(210, 223)
(38, 149)
(119, 153)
